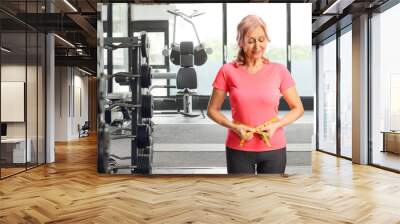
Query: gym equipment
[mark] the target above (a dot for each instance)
(113, 43)
(102, 129)
(199, 52)
(145, 45)
(143, 137)
(124, 78)
(83, 130)
(145, 158)
(145, 75)
(103, 142)
(186, 56)
(186, 79)
(136, 109)
(147, 106)
(150, 123)
(185, 82)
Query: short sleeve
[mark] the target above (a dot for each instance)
(220, 80)
(286, 79)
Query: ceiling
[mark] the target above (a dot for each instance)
(73, 20)
(326, 15)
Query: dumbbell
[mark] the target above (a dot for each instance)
(124, 78)
(147, 106)
(142, 137)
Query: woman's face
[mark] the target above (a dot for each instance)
(254, 44)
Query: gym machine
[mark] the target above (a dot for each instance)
(185, 55)
(137, 109)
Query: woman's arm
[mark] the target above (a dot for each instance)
(214, 112)
(214, 109)
(296, 107)
(296, 110)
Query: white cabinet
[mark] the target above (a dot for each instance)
(18, 149)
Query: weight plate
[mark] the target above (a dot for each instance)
(147, 106)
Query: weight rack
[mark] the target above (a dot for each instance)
(138, 77)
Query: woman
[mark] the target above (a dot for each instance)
(255, 86)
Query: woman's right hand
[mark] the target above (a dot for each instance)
(242, 131)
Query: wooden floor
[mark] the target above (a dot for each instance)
(70, 191)
(10, 171)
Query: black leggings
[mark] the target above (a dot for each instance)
(244, 162)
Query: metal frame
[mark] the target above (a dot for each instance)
(369, 78)
(44, 74)
(134, 56)
(316, 97)
(338, 100)
(107, 114)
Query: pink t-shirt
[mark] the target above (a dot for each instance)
(254, 99)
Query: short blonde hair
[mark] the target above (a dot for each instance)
(248, 23)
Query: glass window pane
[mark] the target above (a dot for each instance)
(327, 96)
(346, 94)
(13, 82)
(301, 49)
(385, 88)
(156, 48)
(210, 36)
(120, 29)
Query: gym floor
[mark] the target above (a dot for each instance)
(71, 191)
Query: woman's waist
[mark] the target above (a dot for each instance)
(279, 131)
(252, 120)
(257, 142)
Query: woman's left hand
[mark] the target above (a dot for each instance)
(271, 128)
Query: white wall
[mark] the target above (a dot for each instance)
(14, 73)
(70, 83)
(79, 117)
